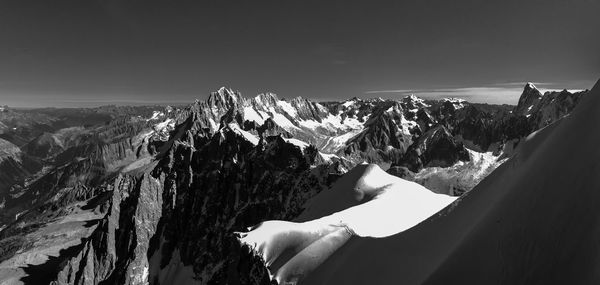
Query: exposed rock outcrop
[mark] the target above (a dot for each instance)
(435, 148)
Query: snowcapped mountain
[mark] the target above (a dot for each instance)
(377, 130)
(154, 194)
(518, 225)
(382, 131)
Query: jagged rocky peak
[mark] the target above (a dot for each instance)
(455, 103)
(530, 86)
(225, 98)
(301, 102)
(208, 114)
(553, 106)
(266, 99)
(530, 97)
(387, 110)
(350, 102)
(530, 91)
(413, 102)
(308, 110)
(386, 132)
(437, 147)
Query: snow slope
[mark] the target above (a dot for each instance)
(367, 202)
(247, 135)
(534, 220)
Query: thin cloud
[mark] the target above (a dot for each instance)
(509, 93)
(521, 84)
(389, 91)
(487, 94)
(493, 95)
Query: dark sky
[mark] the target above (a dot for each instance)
(91, 52)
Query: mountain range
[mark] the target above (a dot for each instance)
(531, 221)
(154, 194)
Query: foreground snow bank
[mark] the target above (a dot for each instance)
(366, 202)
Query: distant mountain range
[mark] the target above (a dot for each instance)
(129, 195)
(533, 220)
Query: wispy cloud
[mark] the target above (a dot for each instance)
(522, 83)
(496, 95)
(500, 93)
(389, 91)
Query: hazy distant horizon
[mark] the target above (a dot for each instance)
(506, 93)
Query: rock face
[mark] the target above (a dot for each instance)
(154, 195)
(15, 168)
(90, 156)
(542, 110)
(308, 110)
(553, 106)
(387, 134)
(43, 146)
(224, 184)
(530, 98)
(488, 130)
(115, 252)
(435, 148)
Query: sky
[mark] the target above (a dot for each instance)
(95, 52)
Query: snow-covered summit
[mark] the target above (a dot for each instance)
(224, 98)
(529, 86)
(414, 103)
(454, 100)
(456, 103)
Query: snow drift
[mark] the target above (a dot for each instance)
(534, 220)
(367, 202)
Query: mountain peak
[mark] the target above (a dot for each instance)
(224, 97)
(224, 91)
(455, 103)
(266, 99)
(299, 100)
(530, 86)
(413, 101)
(412, 97)
(530, 97)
